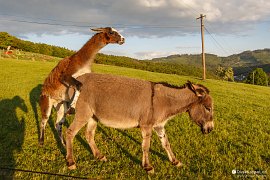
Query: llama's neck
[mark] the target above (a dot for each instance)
(88, 52)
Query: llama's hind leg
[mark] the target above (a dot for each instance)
(90, 135)
(61, 109)
(45, 107)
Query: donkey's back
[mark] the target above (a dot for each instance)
(115, 101)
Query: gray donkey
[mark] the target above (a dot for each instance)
(121, 102)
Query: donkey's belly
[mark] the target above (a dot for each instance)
(121, 124)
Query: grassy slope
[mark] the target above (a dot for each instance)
(240, 139)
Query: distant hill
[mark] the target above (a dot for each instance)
(242, 63)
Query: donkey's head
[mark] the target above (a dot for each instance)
(111, 35)
(201, 111)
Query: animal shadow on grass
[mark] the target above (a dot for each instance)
(163, 157)
(128, 154)
(12, 130)
(132, 157)
(34, 100)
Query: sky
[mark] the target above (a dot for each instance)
(152, 28)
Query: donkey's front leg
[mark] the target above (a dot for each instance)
(166, 145)
(146, 134)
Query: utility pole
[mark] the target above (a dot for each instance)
(203, 54)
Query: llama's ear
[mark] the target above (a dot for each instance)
(98, 29)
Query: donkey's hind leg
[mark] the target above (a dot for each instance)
(90, 135)
(82, 116)
(166, 145)
(61, 109)
(45, 107)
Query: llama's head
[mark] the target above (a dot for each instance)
(111, 35)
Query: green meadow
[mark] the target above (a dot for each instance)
(240, 140)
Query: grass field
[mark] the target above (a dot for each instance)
(240, 140)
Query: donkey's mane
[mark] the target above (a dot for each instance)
(183, 86)
(171, 85)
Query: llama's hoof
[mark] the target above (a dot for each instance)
(149, 169)
(63, 142)
(71, 166)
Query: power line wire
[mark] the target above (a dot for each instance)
(216, 42)
(79, 24)
(246, 67)
(40, 172)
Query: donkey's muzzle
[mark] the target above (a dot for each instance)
(206, 131)
(207, 127)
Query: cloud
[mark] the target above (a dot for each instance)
(153, 54)
(142, 18)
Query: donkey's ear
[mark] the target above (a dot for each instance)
(200, 92)
(197, 90)
(191, 87)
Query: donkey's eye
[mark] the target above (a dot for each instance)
(207, 108)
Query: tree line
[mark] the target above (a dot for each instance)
(148, 65)
(41, 48)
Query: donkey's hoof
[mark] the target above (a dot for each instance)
(102, 158)
(71, 166)
(41, 143)
(177, 163)
(149, 169)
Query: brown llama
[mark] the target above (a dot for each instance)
(121, 102)
(54, 91)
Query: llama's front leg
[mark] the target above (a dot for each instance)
(166, 145)
(61, 109)
(146, 135)
(90, 135)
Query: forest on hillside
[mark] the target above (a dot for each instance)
(41, 48)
